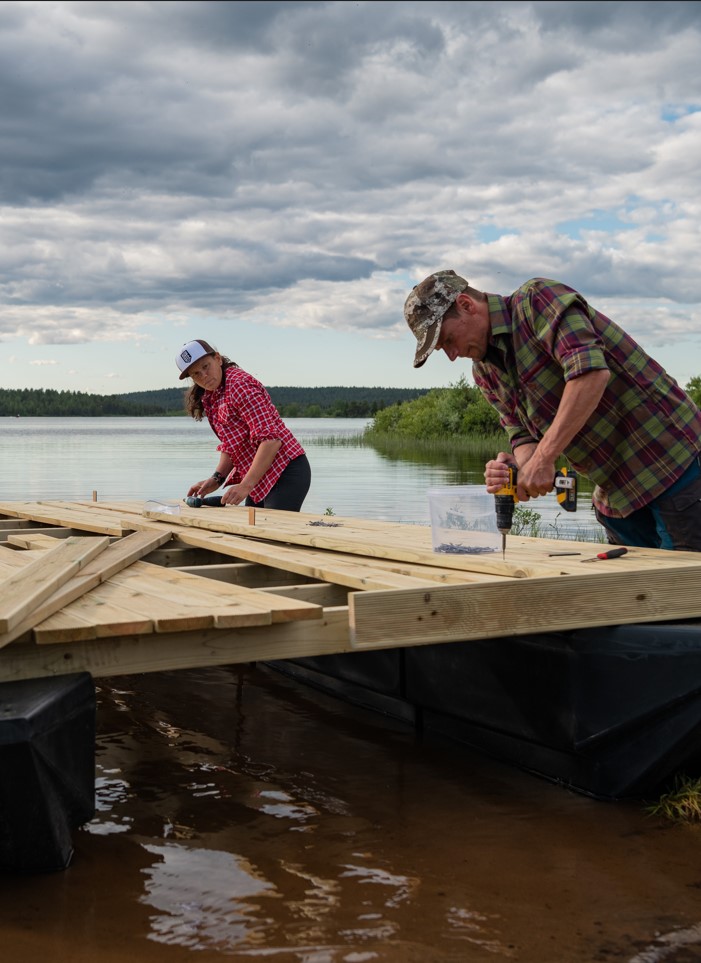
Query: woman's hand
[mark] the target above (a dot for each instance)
(235, 494)
(205, 487)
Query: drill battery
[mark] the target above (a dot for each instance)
(566, 489)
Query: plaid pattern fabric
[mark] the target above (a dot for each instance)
(645, 431)
(242, 415)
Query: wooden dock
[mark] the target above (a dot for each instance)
(110, 589)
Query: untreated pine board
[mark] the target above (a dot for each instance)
(26, 589)
(382, 541)
(37, 538)
(525, 556)
(523, 607)
(10, 534)
(151, 596)
(357, 542)
(128, 655)
(111, 560)
(79, 517)
(100, 621)
(321, 593)
(385, 569)
(352, 572)
(66, 515)
(179, 588)
(165, 614)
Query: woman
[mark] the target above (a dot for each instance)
(260, 460)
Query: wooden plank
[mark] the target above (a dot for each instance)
(128, 655)
(71, 515)
(177, 584)
(26, 527)
(526, 557)
(167, 615)
(353, 572)
(25, 590)
(250, 574)
(348, 570)
(325, 594)
(235, 609)
(346, 538)
(37, 538)
(114, 557)
(99, 621)
(521, 607)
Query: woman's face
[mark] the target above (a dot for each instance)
(207, 372)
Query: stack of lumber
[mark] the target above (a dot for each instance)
(111, 588)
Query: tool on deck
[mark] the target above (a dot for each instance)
(505, 500)
(210, 501)
(611, 553)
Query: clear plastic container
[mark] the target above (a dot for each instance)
(165, 506)
(463, 520)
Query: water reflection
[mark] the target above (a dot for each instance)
(201, 896)
(265, 820)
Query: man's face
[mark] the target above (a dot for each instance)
(464, 331)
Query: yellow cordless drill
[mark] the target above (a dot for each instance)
(505, 500)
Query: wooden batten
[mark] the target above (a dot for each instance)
(522, 607)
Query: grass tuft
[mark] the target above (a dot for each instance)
(682, 803)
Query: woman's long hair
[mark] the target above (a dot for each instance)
(193, 397)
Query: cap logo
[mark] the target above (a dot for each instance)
(186, 356)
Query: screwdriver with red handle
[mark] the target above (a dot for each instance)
(611, 553)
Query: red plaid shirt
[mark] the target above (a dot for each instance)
(242, 415)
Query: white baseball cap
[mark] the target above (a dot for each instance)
(190, 353)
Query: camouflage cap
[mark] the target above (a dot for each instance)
(425, 307)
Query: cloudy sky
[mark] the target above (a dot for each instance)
(275, 177)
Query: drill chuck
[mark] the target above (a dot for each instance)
(505, 512)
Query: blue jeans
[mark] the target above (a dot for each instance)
(673, 520)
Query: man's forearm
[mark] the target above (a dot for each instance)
(579, 401)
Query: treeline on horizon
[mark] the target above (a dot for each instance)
(419, 413)
(291, 402)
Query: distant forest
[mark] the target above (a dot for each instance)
(333, 402)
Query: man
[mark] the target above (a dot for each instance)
(566, 380)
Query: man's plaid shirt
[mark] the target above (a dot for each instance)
(645, 431)
(242, 415)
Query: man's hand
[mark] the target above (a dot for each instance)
(496, 472)
(537, 477)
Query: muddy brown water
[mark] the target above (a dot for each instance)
(245, 816)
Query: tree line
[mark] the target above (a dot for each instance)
(412, 412)
(459, 410)
(291, 402)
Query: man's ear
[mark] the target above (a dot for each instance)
(464, 301)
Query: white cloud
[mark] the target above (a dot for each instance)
(298, 165)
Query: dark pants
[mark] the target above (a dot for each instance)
(290, 490)
(671, 521)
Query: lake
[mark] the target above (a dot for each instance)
(242, 816)
(152, 458)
